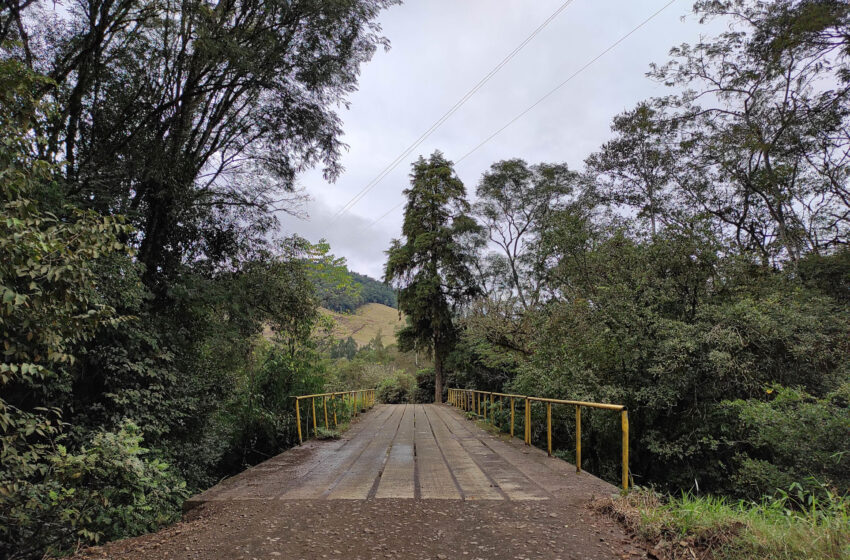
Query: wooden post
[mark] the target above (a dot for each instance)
(549, 427)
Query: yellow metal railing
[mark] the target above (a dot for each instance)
(471, 400)
(361, 399)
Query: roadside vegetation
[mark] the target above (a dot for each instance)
(790, 525)
(694, 268)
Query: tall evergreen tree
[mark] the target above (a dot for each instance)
(430, 265)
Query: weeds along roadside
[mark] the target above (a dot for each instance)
(791, 525)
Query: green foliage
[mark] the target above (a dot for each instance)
(636, 167)
(397, 389)
(334, 284)
(764, 152)
(793, 526)
(261, 417)
(159, 323)
(50, 306)
(111, 488)
(327, 433)
(373, 291)
(793, 433)
(340, 289)
(424, 391)
(514, 202)
(343, 349)
(432, 266)
(665, 328)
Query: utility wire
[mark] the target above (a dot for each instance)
(387, 170)
(539, 101)
(562, 84)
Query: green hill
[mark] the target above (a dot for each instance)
(365, 322)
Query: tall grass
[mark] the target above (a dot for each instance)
(793, 525)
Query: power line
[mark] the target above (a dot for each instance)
(388, 212)
(546, 96)
(562, 84)
(387, 170)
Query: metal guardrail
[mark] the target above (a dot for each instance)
(359, 399)
(475, 401)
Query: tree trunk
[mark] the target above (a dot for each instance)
(438, 374)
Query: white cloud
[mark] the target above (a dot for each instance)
(440, 49)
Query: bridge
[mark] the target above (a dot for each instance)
(405, 481)
(411, 451)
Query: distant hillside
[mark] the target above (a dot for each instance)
(374, 291)
(365, 322)
(359, 290)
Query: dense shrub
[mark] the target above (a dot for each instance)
(396, 389)
(111, 488)
(261, 419)
(424, 391)
(793, 438)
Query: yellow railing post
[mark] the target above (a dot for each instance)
(578, 439)
(359, 397)
(624, 415)
(315, 429)
(474, 401)
(298, 420)
(512, 417)
(527, 421)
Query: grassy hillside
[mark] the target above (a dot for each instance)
(366, 321)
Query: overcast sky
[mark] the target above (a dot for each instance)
(442, 48)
